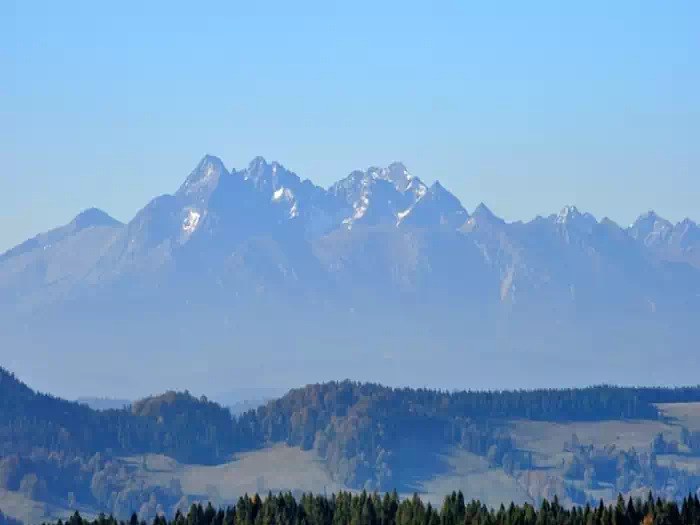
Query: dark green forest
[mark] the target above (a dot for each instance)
(5, 520)
(195, 430)
(59, 451)
(373, 509)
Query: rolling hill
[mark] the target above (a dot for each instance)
(169, 450)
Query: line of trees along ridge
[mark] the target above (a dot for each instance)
(374, 509)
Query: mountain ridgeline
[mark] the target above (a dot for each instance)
(197, 430)
(260, 259)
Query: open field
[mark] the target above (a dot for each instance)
(282, 468)
(685, 414)
(547, 440)
(20, 507)
(471, 474)
(275, 469)
(434, 474)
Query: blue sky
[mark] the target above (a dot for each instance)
(527, 106)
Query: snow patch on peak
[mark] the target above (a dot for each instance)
(361, 207)
(283, 193)
(416, 187)
(210, 160)
(567, 213)
(294, 212)
(189, 225)
(402, 214)
(398, 175)
(571, 214)
(650, 229)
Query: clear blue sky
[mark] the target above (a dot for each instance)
(527, 106)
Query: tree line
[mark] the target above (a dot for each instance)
(373, 509)
(354, 427)
(6, 520)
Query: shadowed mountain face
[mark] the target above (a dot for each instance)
(380, 277)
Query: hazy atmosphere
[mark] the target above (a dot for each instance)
(365, 263)
(527, 107)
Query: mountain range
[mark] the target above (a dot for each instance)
(380, 266)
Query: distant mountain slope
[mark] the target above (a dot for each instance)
(680, 242)
(254, 257)
(49, 266)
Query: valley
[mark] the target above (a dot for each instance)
(171, 450)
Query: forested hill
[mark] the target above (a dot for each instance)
(595, 403)
(356, 429)
(199, 430)
(183, 427)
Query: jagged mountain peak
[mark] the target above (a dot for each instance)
(397, 165)
(399, 175)
(570, 220)
(571, 217)
(228, 239)
(675, 242)
(482, 217)
(89, 218)
(209, 164)
(396, 173)
(438, 191)
(651, 214)
(92, 217)
(687, 232)
(203, 179)
(270, 176)
(570, 213)
(484, 213)
(651, 218)
(608, 222)
(650, 228)
(354, 178)
(434, 207)
(257, 163)
(687, 223)
(208, 158)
